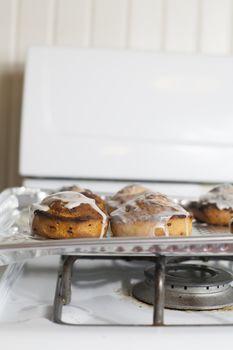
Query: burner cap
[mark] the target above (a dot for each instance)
(189, 287)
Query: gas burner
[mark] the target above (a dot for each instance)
(189, 287)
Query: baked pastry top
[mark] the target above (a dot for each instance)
(221, 196)
(215, 207)
(151, 214)
(70, 215)
(124, 195)
(88, 193)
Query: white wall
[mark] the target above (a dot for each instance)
(188, 26)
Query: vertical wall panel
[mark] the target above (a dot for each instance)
(7, 26)
(7, 17)
(4, 111)
(35, 27)
(110, 28)
(145, 24)
(73, 22)
(181, 25)
(216, 26)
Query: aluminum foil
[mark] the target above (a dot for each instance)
(17, 242)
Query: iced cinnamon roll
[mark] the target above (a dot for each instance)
(70, 215)
(151, 214)
(215, 207)
(124, 195)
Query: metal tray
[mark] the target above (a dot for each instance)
(17, 242)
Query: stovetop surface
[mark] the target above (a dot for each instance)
(100, 294)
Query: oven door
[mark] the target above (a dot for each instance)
(126, 115)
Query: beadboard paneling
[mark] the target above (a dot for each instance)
(181, 25)
(5, 85)
(8, 10)
(216, 26)
(145, 24)
(110, 23)
(188, 26)
(14, 126)
(73, 22)
(35, 25)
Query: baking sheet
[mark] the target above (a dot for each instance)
(17, 242)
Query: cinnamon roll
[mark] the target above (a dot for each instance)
(151, 214)
(70, 215)
(215, 207)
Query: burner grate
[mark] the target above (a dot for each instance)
(63, 288)
(189, 287)
(185, 284)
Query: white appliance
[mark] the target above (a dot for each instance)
(95, 116)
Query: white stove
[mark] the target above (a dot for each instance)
(34, 327)
(92, 117)
(101, 295)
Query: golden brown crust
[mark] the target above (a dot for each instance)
(210, 214)
(151, 214)
(78, 222)
(57, 227)
(177, 226)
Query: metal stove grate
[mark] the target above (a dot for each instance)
(216, 282)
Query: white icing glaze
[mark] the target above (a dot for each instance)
(221, 196)
(131, 212)
(72, 200)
